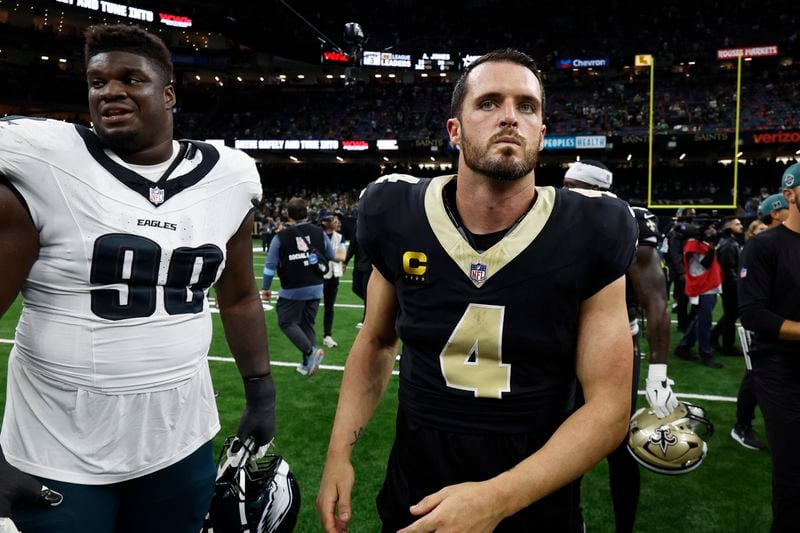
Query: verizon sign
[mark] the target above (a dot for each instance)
(753, 51)
(779, 137)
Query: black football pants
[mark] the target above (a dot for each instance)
(777, 385)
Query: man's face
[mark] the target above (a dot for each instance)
(130, 103)
(792, 197)
(780, 214)
(500, 129)
(736, 226)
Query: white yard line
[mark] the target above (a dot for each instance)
(270, 306)
(340, 281)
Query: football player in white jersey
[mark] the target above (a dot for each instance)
(113, 236)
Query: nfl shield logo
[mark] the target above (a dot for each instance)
(156, 195)
(477, 272)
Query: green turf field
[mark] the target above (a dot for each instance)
(730, 492)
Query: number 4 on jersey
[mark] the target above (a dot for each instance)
(472, 358)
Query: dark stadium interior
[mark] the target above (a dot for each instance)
(323, 116)
(253, 71)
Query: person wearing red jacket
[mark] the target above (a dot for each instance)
(703, 283)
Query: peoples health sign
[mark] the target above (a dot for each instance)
(584, 142)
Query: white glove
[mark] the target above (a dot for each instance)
(658, 390)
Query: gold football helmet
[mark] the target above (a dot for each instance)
(674, 444)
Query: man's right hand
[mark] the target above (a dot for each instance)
(266, 295)
(18, 487)
(333, 499)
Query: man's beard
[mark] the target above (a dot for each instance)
(499, 168)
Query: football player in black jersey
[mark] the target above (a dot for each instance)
(646, 286)
(506, 296)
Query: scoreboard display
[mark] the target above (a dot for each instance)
(438, 61)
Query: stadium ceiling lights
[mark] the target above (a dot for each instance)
(630, 156)
(683, 156)
(387, 159)
(293, 158)
(339, 159)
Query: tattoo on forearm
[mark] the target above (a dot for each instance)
(357, 436)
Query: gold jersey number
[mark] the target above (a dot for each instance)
(472, 358)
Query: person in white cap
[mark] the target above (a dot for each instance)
(769, 307)
(645, 286)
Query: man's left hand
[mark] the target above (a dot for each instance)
(658, 390)
(258, 419)
(462, 508)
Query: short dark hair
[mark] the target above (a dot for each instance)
(505, 55)
(296, 208)
(123, 38)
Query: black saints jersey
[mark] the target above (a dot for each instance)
(648, 227)
(648, 236)
(489, 338)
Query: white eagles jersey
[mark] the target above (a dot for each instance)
(115, 307)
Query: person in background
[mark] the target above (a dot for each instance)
(674, 260)
(755, 227)
(703, 283)
(774, 210)
(267, 227)
(646, 287)
(331, 223)
(746, 403)
(299, 254)
(361, 272)
(728, 250)
(770, 308)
